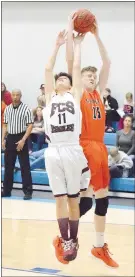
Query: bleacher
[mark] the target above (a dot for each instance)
(119, 187)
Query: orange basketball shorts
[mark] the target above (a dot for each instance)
(97, 157)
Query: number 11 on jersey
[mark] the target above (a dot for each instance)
(62, 118)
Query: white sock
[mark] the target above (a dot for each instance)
(99, 239)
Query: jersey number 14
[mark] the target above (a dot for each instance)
(96, 113)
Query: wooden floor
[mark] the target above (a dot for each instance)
(28, 231)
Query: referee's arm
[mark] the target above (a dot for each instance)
(28, 131)
(29, 122)
(20, 143)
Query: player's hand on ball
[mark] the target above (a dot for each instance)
(95, 29)
(79, 38)
(20, 145)
(71, 20)
(61, 38)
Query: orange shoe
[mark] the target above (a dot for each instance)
(57, 243)
(103, 254)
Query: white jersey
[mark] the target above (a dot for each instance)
(62, 119)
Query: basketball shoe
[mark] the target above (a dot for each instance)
(102, 253)
(70, 249)
(58, 244)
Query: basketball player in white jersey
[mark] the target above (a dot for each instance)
(66, 164)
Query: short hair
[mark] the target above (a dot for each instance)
(129, 94)
(61, 74)
(109, 91)
(128, 115)
(17, 91)
(114, 151)
(93, 69)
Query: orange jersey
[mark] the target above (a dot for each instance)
(93, 117)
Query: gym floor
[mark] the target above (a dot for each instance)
(28, 228)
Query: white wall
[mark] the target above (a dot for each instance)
(29, 30)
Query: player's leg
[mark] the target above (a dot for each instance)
(74, 215)
(72, 169)
(58, 185)
(101, 250)
(101, 206)
(86, 201)
(100, 186)
(62, 215)
(86, 198)
(73, 166)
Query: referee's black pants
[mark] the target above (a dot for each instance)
(10, 159)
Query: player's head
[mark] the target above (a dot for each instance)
(16, 96)
(107, 92)
(63, 81)
(89, 77)
(127, 121)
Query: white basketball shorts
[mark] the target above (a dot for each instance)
(67, 169)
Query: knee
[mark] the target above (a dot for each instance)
(85, 205)
(116, 172)
(101, 206)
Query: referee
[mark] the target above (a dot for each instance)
(17, 127)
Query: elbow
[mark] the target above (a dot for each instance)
(107, 63)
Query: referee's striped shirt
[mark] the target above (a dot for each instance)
(17, 118)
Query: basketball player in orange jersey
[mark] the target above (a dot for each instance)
(91, 139)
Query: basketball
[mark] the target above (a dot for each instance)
(84, 21)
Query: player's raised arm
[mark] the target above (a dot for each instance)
(77, 83)
(49, 78)
(69, 44)
(104, 73)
